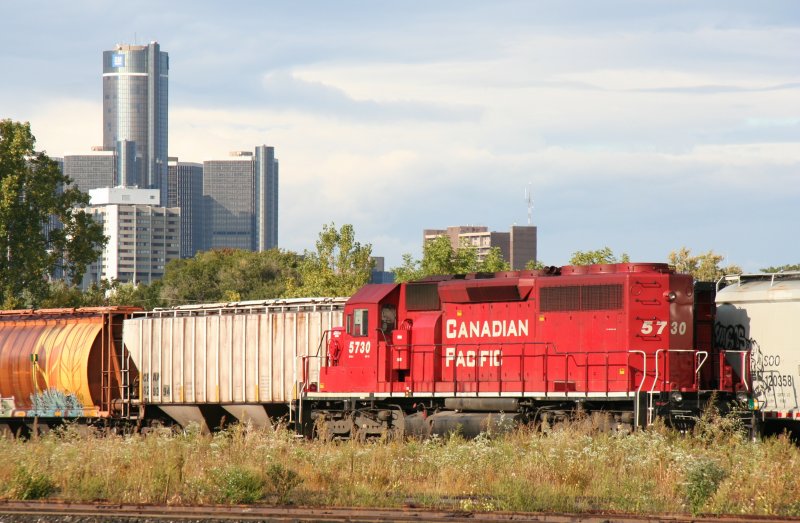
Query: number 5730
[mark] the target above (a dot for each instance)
(657, 327)
(358, 347)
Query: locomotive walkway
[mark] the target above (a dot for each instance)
(25, 512)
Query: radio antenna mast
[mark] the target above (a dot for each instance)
(529, 201)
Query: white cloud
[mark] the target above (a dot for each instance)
(630, 123)
(61, 125)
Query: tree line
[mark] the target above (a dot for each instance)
(44, 231)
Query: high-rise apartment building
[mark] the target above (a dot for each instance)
(518, 245)
(241, 201)
(142, 236)
(135, 96)
(185, 190)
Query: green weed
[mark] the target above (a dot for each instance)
(29, 484)
(702, 481)
(237, 485)
(282, 481)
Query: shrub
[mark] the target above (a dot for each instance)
(702, 481)
(234, 484)
(29, 484)
(283, 481)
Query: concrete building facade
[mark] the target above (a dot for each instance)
(143, 236)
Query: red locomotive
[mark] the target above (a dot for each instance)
(625, 343)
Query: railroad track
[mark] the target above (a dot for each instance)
(23, 512)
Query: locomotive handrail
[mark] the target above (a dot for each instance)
(701, 363)
(473, 378)
(322, 339)
(745, 368)
(641, 383)
(434, 350)
(667, 351)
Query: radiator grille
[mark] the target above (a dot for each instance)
(580, 298)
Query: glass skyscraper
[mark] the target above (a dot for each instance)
(241, 201)
(266, 198)
(135, 95)
(185, 190)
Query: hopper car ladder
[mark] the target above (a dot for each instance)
(115, 386)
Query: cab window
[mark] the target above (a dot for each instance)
(388, 318)
(360, 322)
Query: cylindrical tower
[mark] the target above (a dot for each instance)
(135, 95)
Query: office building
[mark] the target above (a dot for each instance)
(135, 96)
(228, 191)
(241, 201)
(379, 273)
(266, 198)
(522, 245)
(92, 170)
(185, 190)
(518, 245)
(142, 236)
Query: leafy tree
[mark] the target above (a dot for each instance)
(32, 192)
(106, 293)
(228, 275)
(535, 265)
(410, 269)
(783, 268)
(339, 266)
(439, 257)
(494, 261)
(604, 255)
(704, 267)
(61, 294)
(148, 297)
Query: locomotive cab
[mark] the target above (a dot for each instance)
(355, 350)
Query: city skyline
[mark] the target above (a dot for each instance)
(639, 127)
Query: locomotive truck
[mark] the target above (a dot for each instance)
(624, 343)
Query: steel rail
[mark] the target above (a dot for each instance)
(21, 510)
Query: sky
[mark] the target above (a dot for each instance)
(644, 126)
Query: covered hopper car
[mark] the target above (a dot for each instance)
(227, 361)
(759, 314)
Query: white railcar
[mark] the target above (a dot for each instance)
(246, 357)
(760, 313)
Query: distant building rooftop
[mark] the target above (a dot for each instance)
(124, 196)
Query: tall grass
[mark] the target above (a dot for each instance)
(715, 470)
